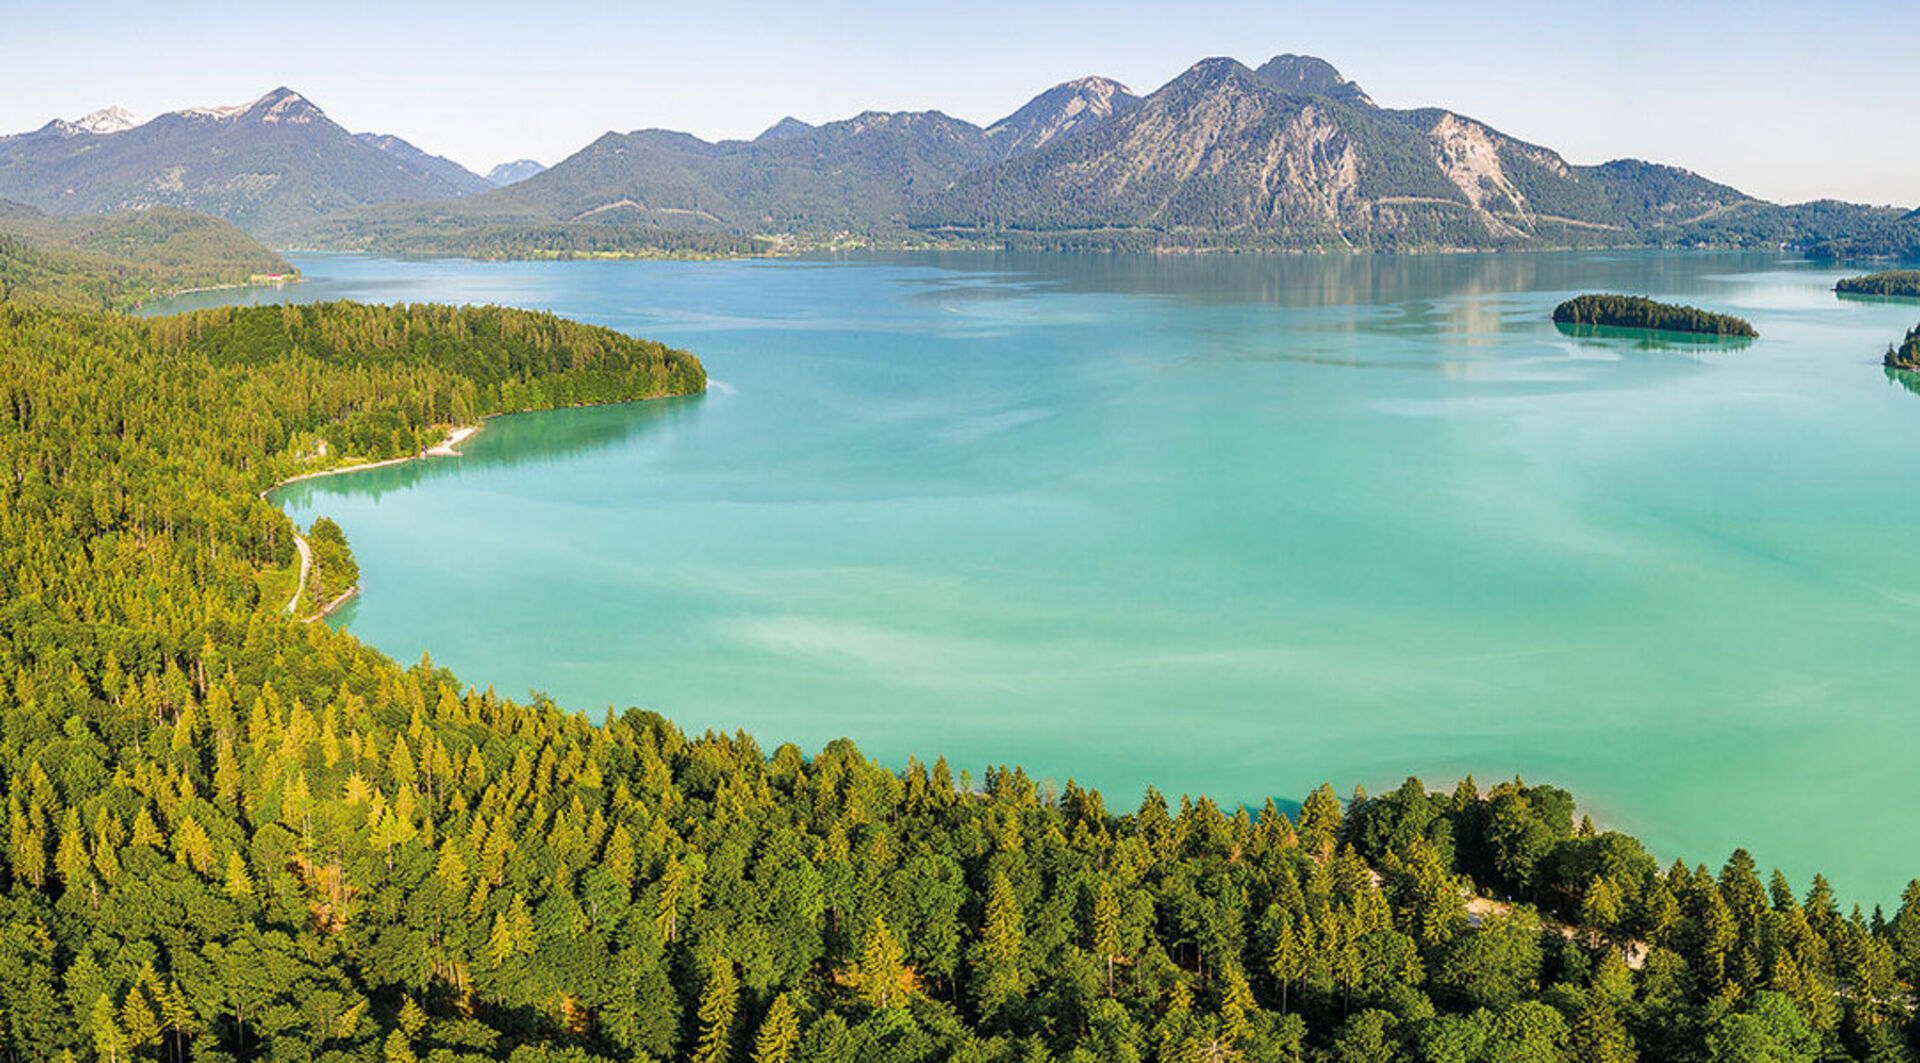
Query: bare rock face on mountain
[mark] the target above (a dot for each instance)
(1062, 109)
(1299, 156)
(267, 166)
(1290, 155)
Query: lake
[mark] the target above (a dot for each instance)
(1224, 524)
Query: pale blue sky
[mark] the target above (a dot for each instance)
(1788, 101)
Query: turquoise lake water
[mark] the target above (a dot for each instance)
(1233, 525)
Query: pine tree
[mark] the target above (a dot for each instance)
(619, 857)
(398, 1049)
(1106, 929)
(1237, 1008)
(1320, 822)
(674, 886)
(880, 967)
(108, 1041)
(1288, 960)
(718, 1002)
(138, 1023)
(239, 882)
(998, 976)
(779, 1033)
(1598, 1034)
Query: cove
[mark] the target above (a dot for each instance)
(1231, 525)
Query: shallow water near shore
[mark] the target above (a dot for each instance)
(1233, 525)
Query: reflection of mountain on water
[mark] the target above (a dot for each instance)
(1655, 339)
(1346, 280)
(1906, 378)
(546, 437)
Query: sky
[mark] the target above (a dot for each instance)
(1786, 101)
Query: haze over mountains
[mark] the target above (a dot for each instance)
(1289, 155)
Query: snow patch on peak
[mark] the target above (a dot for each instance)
(107, 120)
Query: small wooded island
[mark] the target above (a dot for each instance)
(1638, 312)
(1903, 283)
(1907, 355)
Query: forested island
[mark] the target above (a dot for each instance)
(1639, 312)
(1903, 283)
(1906, 355)
(233, 836)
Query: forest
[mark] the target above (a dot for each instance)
(116, 260)
(1905, 356)
(232, 836)
(1893, 282)
(1638, 312)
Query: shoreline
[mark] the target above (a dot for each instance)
(458, 434)
(328, 609)
(273, 282)
(446, 448)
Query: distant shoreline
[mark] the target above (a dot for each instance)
(268, 280)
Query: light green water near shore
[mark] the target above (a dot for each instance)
(1233, 525)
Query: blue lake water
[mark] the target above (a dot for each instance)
(1231, 524)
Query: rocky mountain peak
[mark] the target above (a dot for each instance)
(1068, 106)
(284, 106)
(1310, 76)
(107, 120)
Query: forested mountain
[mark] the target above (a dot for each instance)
(103, 261)
(441, 168)
(1892, 235)
(1062, 109)
(784, 128)
(1291, 155)
(856, 174)
(1225, 150)
(267, 166)
(508, 173)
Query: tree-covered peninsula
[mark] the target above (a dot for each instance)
(1639, 312)
(1902, 283)
(233, 836)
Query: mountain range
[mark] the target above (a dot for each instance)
(1290, 154)
(266, 166)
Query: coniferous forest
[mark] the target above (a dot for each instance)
(1639, 312)
(1905, 355)
(234, 836)
(1895, 283)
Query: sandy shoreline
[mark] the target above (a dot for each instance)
(446, 448)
